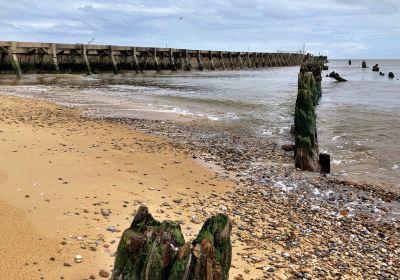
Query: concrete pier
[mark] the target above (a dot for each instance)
(26, 57)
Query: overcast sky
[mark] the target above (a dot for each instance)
(338, 28)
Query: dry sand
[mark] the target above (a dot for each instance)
(59, 172)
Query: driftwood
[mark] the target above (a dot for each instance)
(150, 250)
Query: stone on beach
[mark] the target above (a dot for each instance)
(391, 75)
(375, 68)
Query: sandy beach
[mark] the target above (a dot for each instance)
(69, 185)
(65, 180)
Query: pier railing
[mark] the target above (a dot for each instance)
(27, 57)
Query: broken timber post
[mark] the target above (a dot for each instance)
(14, 59)
(85, 59)
(54, 57)
(153, 250)
(307, 155)
(112, 58)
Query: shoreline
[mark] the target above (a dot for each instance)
(290, 215)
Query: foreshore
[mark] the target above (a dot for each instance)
(66, 179)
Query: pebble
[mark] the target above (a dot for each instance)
(104, 273)
(78, 258)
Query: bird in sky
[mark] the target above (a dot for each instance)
(180, 18)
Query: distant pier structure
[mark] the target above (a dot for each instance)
(25, 57)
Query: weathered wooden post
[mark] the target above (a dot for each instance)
(85, 59)
(306, 153)
(12, 53)
(54, 57)
(153, 250)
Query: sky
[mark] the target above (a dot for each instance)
(337, 28)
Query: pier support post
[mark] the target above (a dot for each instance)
(248, 60)
(135, 61)
(172, 60)
(112, 58)
(240, 60)
(256, 63)
(188, 65)
(12, 52)
(54, 56)
(262, 60)
(212, 67)
(222, 60)
(199, 62)
(231, 61)
(85, 59)
(2, 58)
(156, 62)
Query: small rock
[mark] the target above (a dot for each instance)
(78, 258)
(194, 219)
(112, 228)
(104, 273)
(178, 201)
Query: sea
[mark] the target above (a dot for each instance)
(358, 121)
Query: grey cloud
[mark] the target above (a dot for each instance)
(344, 28)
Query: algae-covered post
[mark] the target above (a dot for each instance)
(306, 141)
(151, 250)
(306, 153)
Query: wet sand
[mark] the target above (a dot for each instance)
(64, 180)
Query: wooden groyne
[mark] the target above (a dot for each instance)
(307, 156)
(25, 57)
